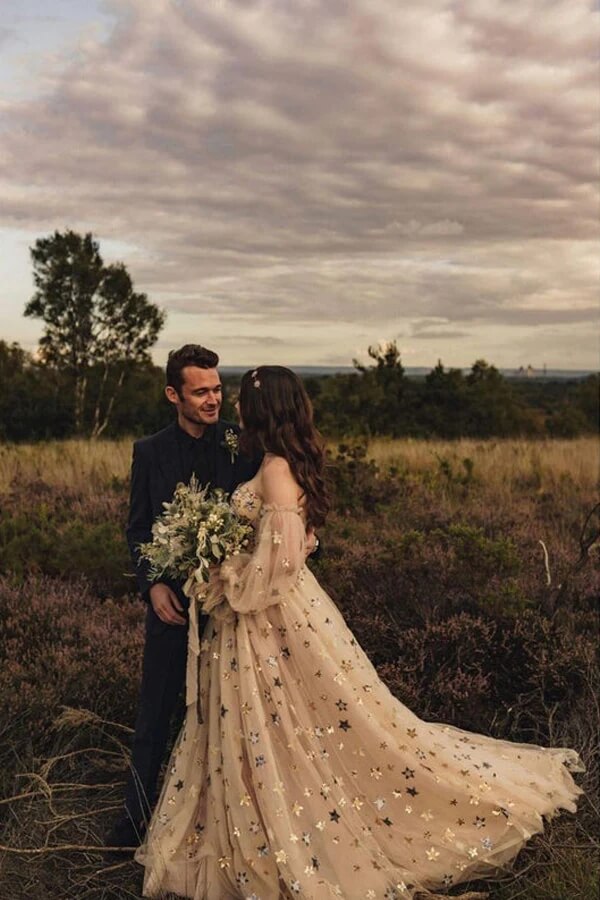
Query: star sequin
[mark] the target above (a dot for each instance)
(334, 815)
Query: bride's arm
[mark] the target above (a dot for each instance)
(280, 550)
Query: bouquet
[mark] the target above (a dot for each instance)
(197, 531)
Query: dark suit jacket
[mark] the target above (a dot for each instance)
(155, 473)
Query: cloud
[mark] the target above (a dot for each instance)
(276, 163)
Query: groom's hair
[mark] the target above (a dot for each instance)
(188, 355)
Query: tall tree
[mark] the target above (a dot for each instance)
(93, 319)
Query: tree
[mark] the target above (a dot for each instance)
(32, 400)
(444, 403)
(493, 406)
(382, 389)
(93, 319)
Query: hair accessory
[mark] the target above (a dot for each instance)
(256, 381)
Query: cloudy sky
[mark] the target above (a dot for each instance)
(293, 180)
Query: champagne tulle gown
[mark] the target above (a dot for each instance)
(307, 778)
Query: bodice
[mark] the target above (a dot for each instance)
(248, 504)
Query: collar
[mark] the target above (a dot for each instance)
(207, 438)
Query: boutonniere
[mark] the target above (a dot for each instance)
(231, 442)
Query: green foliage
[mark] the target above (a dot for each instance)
(92, 317)
(121, 392)
(381, 400)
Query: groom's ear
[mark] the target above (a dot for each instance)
(171, 394)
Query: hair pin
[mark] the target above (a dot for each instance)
(256, 380)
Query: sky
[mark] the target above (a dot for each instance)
(294, 180)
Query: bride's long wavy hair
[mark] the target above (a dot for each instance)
(277, 417)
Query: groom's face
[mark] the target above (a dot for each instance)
(200, 398)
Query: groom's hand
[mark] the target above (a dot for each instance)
(166, 605)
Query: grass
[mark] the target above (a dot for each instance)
(437, 569)
(504, 465)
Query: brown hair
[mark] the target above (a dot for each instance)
(188, 355)
(277, 416)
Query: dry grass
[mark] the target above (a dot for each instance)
(507, 463)
(89, 465)
(79, 465)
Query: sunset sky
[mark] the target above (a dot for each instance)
(294, 180)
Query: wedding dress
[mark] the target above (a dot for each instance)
(306, 777)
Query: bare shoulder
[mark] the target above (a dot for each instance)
(278, 482)
(276, 466)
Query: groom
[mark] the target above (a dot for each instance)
(196, 443)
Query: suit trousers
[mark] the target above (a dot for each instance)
(163, 679)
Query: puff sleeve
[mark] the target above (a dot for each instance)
(273, 569)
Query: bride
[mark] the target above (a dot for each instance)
(304, 777)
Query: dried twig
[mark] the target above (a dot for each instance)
(546, 564)
(64, 848)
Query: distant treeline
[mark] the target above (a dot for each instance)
(37, 401)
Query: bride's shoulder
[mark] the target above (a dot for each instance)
(275, 466)
(278, 482)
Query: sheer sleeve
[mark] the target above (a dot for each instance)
(263, 579)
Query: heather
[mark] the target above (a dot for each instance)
(467, 570)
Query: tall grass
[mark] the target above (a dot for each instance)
(508, 465)
(79, 465)
(501, 464)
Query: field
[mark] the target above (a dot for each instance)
(467, 570)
